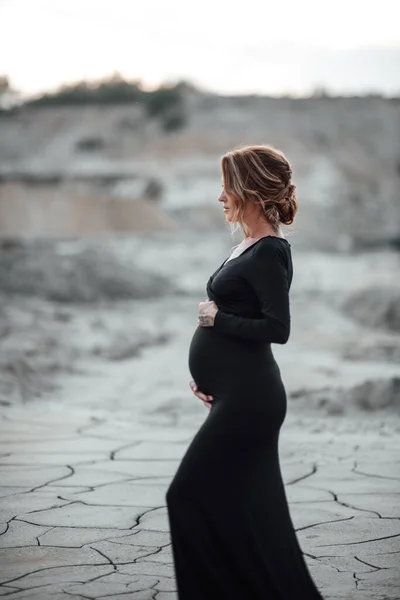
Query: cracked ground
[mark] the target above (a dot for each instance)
(84, 470)
(83, 504)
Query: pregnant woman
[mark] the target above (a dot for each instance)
(231, 530)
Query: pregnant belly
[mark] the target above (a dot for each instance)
(219, 362)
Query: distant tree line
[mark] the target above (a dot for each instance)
(166, 103)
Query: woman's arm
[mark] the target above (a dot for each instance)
(268, 276)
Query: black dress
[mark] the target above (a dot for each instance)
(231, 531)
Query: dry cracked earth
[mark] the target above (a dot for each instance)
(83, 504)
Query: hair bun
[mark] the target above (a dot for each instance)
(288, 206)
(291, 191)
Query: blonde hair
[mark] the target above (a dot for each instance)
(261, 175)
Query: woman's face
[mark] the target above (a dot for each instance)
(227, 204)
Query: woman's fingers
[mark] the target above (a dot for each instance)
(204, 397)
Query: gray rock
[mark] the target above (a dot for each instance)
(125, 345)
(80, 274)
(375, 307)
(377, 394)
(370, 395)
(376, 350)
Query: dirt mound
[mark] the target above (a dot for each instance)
(375, 307)
(371, 395)
(74, 273)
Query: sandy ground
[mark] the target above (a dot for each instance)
(98, 413)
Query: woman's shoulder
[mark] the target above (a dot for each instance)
(271, 249)
(271, 244)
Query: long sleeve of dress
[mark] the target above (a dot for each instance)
(268, 275)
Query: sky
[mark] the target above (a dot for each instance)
(225, 46)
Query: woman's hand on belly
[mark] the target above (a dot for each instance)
(206, 399)
(207, 312)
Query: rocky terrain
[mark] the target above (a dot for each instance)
(75, 308)
(79, 169)
(105, 250)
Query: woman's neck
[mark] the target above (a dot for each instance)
(255, 228)
(255, 234)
